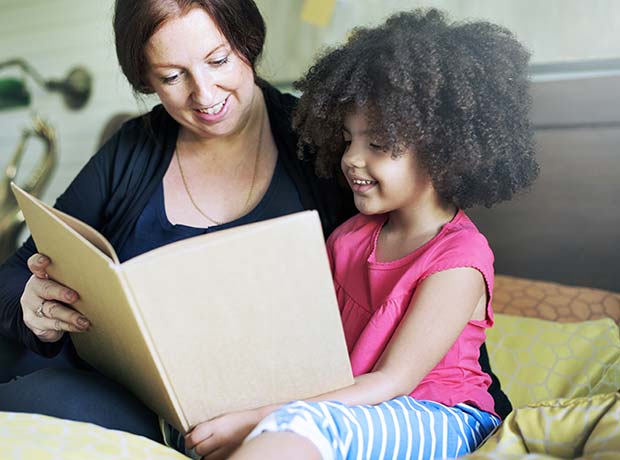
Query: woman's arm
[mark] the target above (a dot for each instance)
(35, 310)
(439, 311)
(14, 275)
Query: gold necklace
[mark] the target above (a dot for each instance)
(247, 201)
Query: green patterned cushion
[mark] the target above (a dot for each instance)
(538, 360)
(37, 437)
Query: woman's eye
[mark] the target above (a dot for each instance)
(170, 79)
(220, 62)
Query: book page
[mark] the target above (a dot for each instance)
(82, 229)
(88, 233)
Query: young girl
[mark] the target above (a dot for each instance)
(425, 118)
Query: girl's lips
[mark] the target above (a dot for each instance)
(213, 117)
(360, 185)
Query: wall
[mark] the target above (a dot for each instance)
(53, 36)
(554, 30)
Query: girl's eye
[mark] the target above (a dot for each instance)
(376, 147)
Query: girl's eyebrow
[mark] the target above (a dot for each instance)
(361, 133)
(213, 51)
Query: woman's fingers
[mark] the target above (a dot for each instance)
(47, 289)
(70, 319)
(45, 310)
(52, 319)
(52, 329)
(37, 264)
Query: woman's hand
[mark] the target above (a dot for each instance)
(219, 437)
(44, 304)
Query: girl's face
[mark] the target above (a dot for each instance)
(381, 182)
(201, 82)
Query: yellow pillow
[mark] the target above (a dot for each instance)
(537, 359)
(565, 428)
(35, 437)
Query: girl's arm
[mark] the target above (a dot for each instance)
(439, 311)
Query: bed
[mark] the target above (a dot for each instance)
(556, 349)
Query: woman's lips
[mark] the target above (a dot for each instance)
(215, 112)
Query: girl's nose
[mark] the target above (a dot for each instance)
(353, 157)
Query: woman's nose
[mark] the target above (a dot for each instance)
(203, 88)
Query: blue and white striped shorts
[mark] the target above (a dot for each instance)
(402, 428)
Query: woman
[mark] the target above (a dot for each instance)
(218, 152)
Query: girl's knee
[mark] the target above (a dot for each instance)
(307, 419)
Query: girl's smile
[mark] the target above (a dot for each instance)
(361, 185)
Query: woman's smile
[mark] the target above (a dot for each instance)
(214, 113)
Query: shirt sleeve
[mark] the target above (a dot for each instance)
(84, 199)
(465, 248)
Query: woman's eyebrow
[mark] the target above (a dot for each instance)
(168, 65)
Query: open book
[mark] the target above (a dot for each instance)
(220, 322)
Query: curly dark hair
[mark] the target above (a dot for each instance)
(455, 93)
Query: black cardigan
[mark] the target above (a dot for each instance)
(113, 188)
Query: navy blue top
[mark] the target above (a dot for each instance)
(153, 229)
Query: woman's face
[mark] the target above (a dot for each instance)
(200, 80)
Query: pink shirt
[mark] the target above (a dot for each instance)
(373, 298)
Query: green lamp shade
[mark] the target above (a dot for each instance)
(13, 94)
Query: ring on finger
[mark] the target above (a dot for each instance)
(57, 325)
(39, 311)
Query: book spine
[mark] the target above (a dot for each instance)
(173, 413)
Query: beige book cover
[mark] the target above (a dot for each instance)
(226, 321)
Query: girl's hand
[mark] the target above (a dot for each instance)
(219, 437)
(44, 304)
